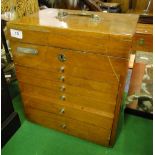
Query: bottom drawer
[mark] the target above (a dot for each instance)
(69, 126)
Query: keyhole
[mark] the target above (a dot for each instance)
(61, 57)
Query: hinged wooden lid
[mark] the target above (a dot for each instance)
(88, 31)
(120, 24)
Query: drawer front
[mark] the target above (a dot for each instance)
(106, 105)
(50, 58)
(86, 115)
(68, 75)
(97, 43)
(69, 126)
(24, 55)
(62, 88)
(143, 42)
(50, 80)
(65, 39)
(53, 81)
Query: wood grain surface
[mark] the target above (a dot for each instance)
(47, 59)
(87, 115)
(147, 44)
(71, 87)
(107, 104)
(143, 32)
(72, 127)
(72, 70)
(91, 36)
(50, 80)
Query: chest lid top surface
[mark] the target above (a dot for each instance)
(106, 23)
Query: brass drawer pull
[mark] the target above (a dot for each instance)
(62, 69)
(141, 41)
(62, 111)
(62, 88)
(62, 78)
(63, 97)
(27, 50)
(62, 57)
(63, 126)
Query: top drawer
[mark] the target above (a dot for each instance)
(117, 46)
(52, 59)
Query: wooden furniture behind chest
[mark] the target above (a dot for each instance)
(71, 70)
(143, 38)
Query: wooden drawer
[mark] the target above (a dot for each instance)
(67, 39)
(70, 126)
(69, 76)
(107, 104)
(53, 81)
(53, 59)
(87, 115)
(98, 44)
(101, 46)
(69, 89)
(143, 42)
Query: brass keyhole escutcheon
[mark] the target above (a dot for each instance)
(62, 57)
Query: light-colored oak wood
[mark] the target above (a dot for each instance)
(107, 104)
(95, 55)
(144, 28)
(48, 79)
(118, 109)
(69, 126)
(71, 88)
(117, 46)
(87, 115)
(76, 62)
(46, 20)
(90, 35)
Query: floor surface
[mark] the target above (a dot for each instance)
(31, 139)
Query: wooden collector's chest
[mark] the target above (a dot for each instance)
(71, 67)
